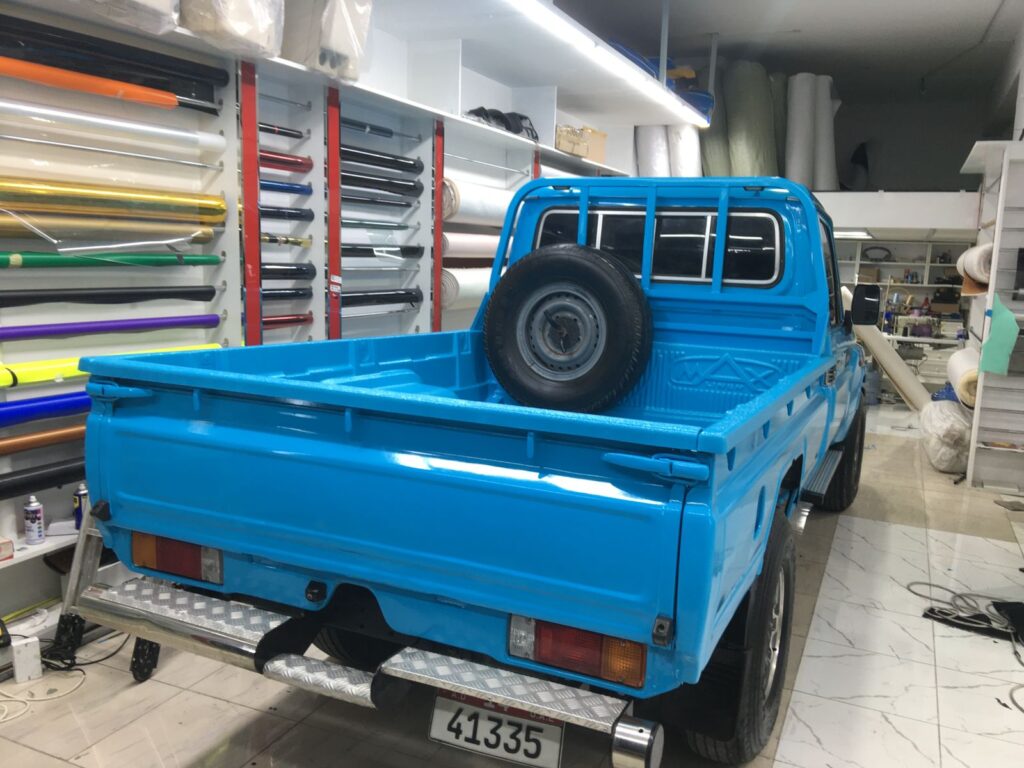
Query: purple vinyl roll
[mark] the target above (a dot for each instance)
(45, 330)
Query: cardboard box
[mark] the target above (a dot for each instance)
(869, 275)
(939, 308)
(582, 142)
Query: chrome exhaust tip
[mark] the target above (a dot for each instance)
(637, 743)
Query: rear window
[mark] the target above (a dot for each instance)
(684, 243)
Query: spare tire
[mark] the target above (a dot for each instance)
(568, 327)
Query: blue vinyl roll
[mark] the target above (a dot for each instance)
(20, 411)
(267, 185)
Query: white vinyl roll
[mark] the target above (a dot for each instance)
(461, 245)
(800, 129)
(465, 202)
(652, 150)
(779, 83)
(903, 378)
(547, 172)
(714, 141)
(976, 263)
(684, 150)
(748, 100)
(962, 372)
(464, 288)
(826, 172)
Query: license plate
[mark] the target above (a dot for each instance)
(501, 732)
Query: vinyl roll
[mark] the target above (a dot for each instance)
(109, 231)
(34, 479)
(976, 263)
(280, 130)
(132, 325)
(800, 128)
(283, 161)
(36, 408)
(962, 372)
(286, 294)
(285, 214)
(465, 202)
(34, 260)
(378, 159)
(55, 77)
(748, 100)
(410, 187)
(285, 187)
(19, 443)
(548, 172)
(714, 141)
(684, 151)
(780, 86)
(354, 198)
(287, 321)
(377, 251)
(826, 172)
(272, 271)
(652, 150)
(272, 239)
(31, 296)
(464, 288)
(461, 245)
(72, 198)
(381, 298)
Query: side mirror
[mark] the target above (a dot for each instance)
(867, 303)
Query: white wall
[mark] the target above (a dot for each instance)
(917, 146)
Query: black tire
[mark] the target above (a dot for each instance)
(842, 489)
(759, 699)
(569, 328)
(354, 650)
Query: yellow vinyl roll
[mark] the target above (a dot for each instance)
(41, 371)
(72, 198)
(101, 228)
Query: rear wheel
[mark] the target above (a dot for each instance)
(842, 489)
(355, 650)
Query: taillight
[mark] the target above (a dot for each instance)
(177, 557)
(591, 654)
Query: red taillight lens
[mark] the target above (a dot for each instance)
(177, 557)
(607, 658)
(568, 648)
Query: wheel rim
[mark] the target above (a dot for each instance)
(775, 634)
(561, 332)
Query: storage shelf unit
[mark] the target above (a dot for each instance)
(24, 552)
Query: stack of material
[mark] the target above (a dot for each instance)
(751, 130)
(810, 136)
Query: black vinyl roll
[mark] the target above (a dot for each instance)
(31, 296)
(280, 130)
(350, 154)
(372, 251)
(369, 128)
(271, 271)
(25, 481)
(413, 188)
(286, 294)
(290, 214)
(387, 202)
(376, 298)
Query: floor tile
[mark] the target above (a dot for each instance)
(986, 526)
(17, 756)
(177, 668)
(189, 730)
(967, 750)
(249, 689)
(888, 537)
(796, 653)
(965, 547)
(809, 573)
(307, 747)
(873, 680)
(857, 573)
(966, 502)
(821, 524)
(1018, 532)
(978, 705)
(977, 576)
(819, 732)
(871, 629)
(890, 503)
(976, 654)
(814, 547)
(107, 701)
(803, 612)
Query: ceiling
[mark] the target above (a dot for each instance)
(877, 50)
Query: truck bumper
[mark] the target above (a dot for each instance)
(231, 631)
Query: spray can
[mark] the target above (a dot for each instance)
(80, 503)
(35, 527)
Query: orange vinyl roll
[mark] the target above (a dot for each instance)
(41, 439)
(55, 77)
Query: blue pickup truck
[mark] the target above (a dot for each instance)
(621, 560)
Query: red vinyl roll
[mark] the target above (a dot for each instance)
(281, 321)
(283, 161)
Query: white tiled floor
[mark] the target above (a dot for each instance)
(878, 686)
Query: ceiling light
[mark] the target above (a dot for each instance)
(852, 234)
(569, 33)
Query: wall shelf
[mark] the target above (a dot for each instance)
(24, 552)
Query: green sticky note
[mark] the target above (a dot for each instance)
(1002, 336)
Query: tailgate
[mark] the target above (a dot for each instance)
(493, 518)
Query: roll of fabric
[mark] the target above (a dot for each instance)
(461, 245)
(286, 214)
(272, 271)
(684, 150)
(133, 325)
(410, 187)
(465, 202)
(381, 298)
(976, 263)
(286, 321)
(379, 159)
(59, 197)
(464, 288)
(748, 100)
(780, 85)
(652, 150)
(800, 129)
(286, 294)
(33, 260)
(109, 231)
(19, 443)
(34, 479)
(826, 172)
(285, 187)
(714, 143)
(30, 296)
(36, 408)
(962, 372)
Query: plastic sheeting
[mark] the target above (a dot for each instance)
(463, 289)
(652, 151)
(465, 202)
(327, 35)
(976, 263)
(714, 143)
(245, 27)
(826, 173)
(947, 435)
(684, 150)
(962, 372)
(800, 132)
(460, 245)
(748, 100)
(779, 83)
(154, 16)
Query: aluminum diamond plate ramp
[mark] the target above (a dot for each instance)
(225, 617)
(323, 677)
(512, 689)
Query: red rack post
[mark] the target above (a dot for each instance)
(438, 260)
(536, 163)
(249, 129)
(333, 214)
